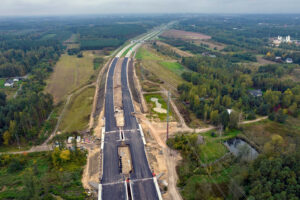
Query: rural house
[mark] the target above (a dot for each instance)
(289, 60)
(256, 93)
(9, 83)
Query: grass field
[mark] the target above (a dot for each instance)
(164, 68)
(69, 74)
(161, 116)
(213, 148)
(36, 171)
(175, 67)
(145, 54)
(78, 112)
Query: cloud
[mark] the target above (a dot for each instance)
(73, 7)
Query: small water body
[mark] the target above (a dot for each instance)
(242, 149)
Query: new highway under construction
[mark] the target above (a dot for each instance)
(126, 173)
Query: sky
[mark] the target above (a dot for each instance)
(79, 7)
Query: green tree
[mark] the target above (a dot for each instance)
(65, 155)
(233, 119)
(6, 137)
(224, 118)
(274, 146)
(287, 98)
(56, 160)
(214, 117)
(226, 101)
(272, 97)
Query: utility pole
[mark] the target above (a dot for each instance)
(168, 115)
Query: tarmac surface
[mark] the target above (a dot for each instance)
(141, 179)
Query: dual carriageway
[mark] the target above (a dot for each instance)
(141, 182)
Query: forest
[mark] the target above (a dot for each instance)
(21, 118)
(99, 37)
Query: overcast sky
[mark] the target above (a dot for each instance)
(73, 7)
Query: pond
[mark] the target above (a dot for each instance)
(242, 149)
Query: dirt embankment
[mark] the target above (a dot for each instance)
(98, 103)
(91, 172)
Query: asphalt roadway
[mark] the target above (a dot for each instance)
(113, 187)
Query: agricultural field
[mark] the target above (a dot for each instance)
(72, 42)
(198, 39)
(185, 35)
(70, 73)
(78, 112)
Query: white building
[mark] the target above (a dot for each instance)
(280, 40)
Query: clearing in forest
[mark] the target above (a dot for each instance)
(69, 74)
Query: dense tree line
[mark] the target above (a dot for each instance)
(21, 54)
(273, 175)
(276, 178)
(113, 35)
